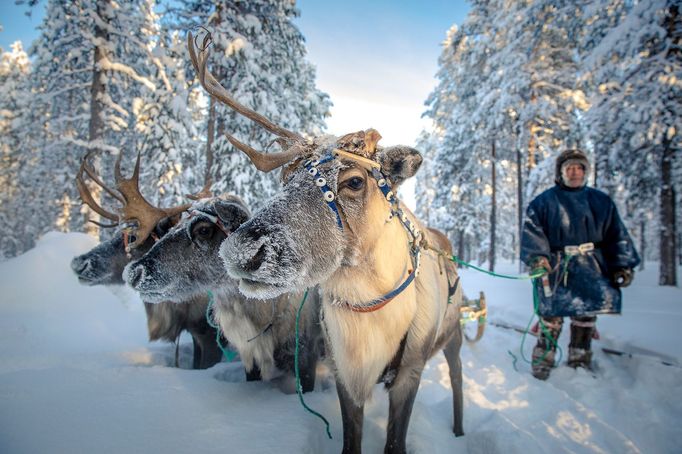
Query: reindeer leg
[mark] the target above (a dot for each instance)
(253, 374)
(196, 357)
(451, 352)
(352, 417)
(401, 400)
(310, 344)
(206, 350)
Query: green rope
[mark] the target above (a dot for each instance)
(545, 331)
(533, 275)
(229, 355)
(299, 389)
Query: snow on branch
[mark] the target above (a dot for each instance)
(107, 64)
(94, 145)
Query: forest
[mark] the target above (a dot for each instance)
(518, 82)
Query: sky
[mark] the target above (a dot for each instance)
(77, 375)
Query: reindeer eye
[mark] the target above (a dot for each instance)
(203, 231)
(355, 183)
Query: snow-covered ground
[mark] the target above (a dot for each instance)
(77, 375)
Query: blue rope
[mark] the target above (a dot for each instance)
(299, 389)
(229, 355)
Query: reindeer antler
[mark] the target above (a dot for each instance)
(204, 193)
(136, 208)
(263, 162)
(86, 195)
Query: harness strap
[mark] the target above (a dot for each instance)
(321, 183)
(384, 186)
(380, 302)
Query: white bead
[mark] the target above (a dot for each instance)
(315, 163)
(320, 182)
(312, 171)
(329, 196)
(389, 196)
(381, 183)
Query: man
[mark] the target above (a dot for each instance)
(575, 233)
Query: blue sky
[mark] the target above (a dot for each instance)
(376, 59)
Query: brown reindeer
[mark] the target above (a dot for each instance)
(337, 223)
(104, 264)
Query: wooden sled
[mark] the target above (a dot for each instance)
(474, 310)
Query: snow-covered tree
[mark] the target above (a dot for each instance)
(634, 64)
(14, 98)
(94, 66)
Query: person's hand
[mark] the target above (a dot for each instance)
(540, 262)
(622, 277)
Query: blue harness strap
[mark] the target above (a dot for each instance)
(321, 182)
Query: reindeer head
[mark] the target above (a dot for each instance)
(185, 262)
(328, 215)
(142, 222)
(332, 207)
(104, 264)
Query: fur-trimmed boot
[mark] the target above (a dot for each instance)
(544, 351)
(579, 349)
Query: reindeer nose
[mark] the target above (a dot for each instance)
(135, 276)
(256, 261)
(78, 264)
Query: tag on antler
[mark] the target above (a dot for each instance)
(362, 143)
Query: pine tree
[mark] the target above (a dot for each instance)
(14, 97)
(636, 68)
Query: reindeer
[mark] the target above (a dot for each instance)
(337, 223)
(185, 264)
(104, 264)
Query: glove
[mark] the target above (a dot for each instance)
(540, 262)
(622, 277)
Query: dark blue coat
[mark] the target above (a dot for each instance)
(562, 217)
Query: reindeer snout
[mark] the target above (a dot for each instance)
(79, 265)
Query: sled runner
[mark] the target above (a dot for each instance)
(474, 310)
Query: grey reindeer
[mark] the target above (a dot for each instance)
(104, 265)
(337, 223)
(185, 264)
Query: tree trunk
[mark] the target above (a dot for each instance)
(668, 262)
(493, 214)
(519, 201)
(96, 124)
(460, 245)
(668, 259)
(642, 244)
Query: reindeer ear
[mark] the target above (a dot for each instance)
(399, 162)
(232, 213)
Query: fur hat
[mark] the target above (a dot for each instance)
(567, 158)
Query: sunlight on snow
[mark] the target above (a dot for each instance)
(483, 394)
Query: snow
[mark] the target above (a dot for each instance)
(78, 375)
